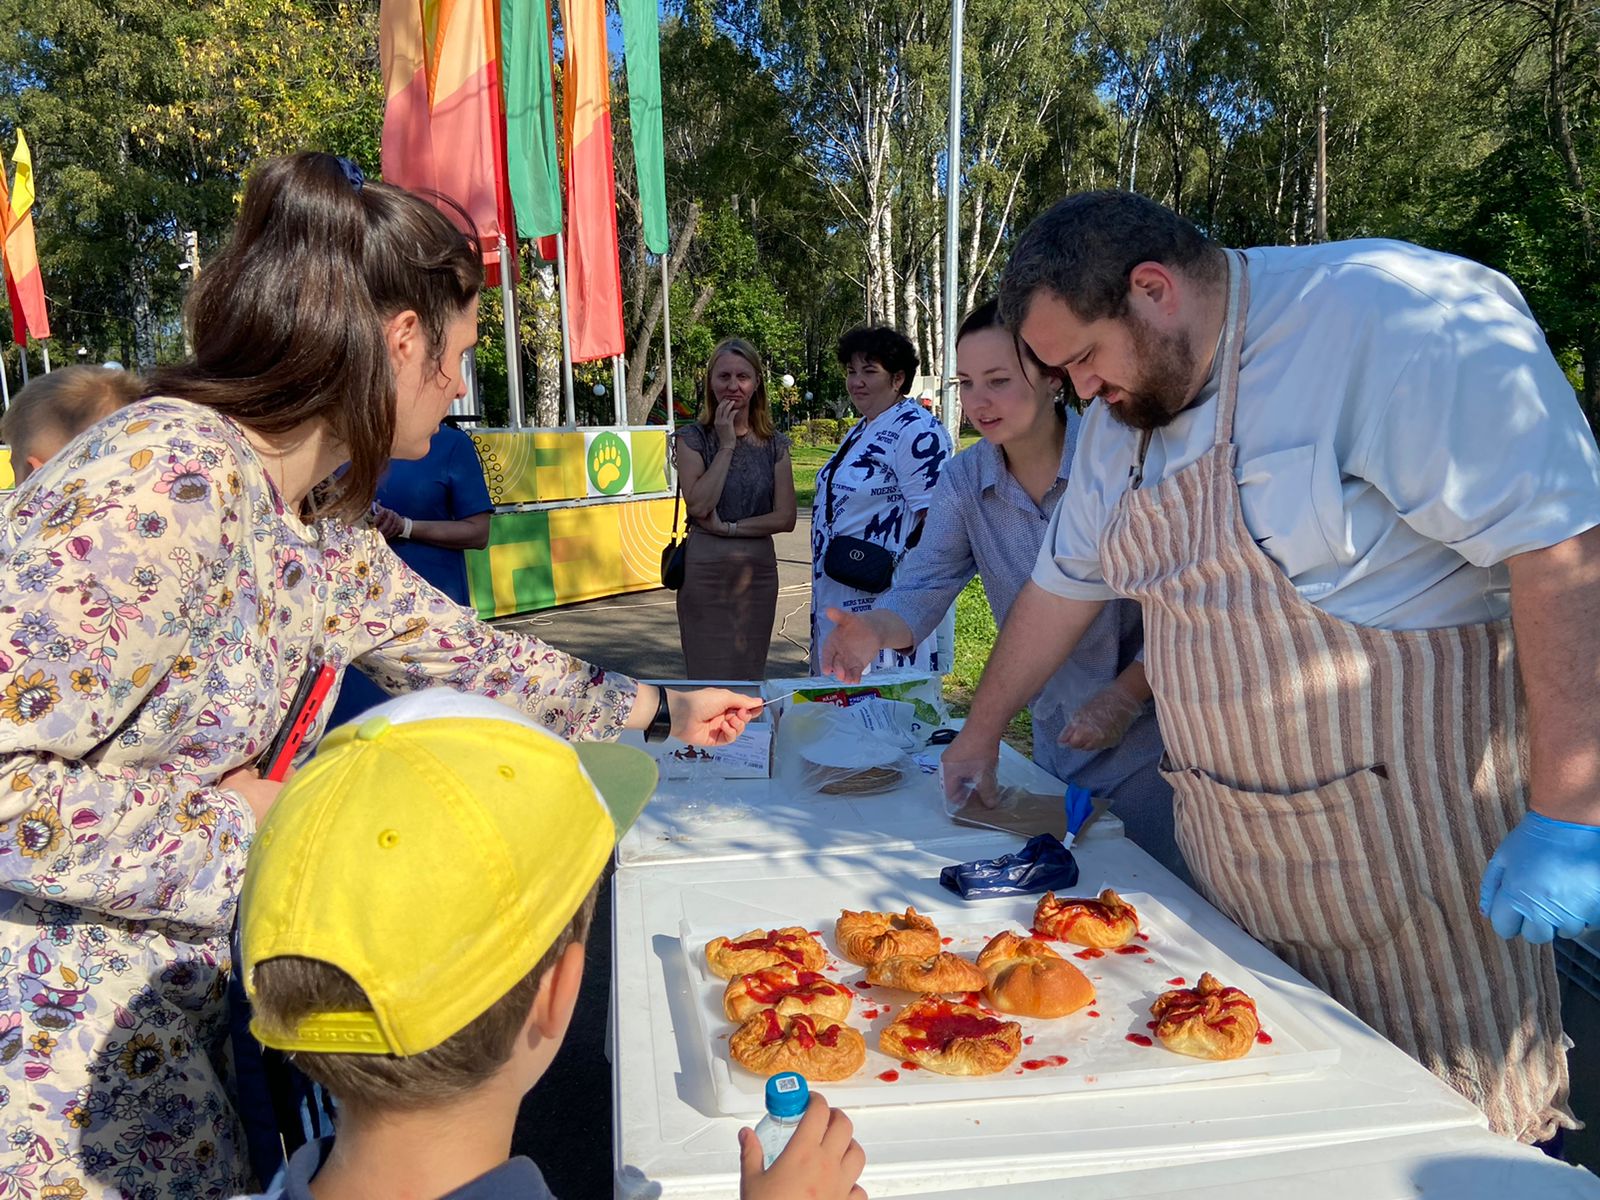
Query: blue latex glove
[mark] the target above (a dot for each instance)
(1544, 880)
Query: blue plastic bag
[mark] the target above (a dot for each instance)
(1043, 865)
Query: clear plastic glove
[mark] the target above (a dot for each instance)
(1544, 880)
(969, 769)
(1103, 721)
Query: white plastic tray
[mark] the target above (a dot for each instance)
(1095, 1042)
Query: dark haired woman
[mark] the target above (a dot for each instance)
(1093, 723)
(169, 582)
(738, 485)
(875, 491)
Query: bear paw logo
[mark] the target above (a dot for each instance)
(609, 464)
(607, 467)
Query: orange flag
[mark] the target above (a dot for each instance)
(24, 283)
(444, 127)
(594, 264)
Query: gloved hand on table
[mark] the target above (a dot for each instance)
(1103, 721)
(969, 770)
(1544, 880)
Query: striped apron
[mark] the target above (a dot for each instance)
(1338, 789)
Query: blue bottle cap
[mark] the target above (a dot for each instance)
(787, 1094)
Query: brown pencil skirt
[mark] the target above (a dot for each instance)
(726, 606)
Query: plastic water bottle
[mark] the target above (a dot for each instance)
(787, 1097)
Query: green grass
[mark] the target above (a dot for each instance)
(975, 630)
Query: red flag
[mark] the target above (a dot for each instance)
(443, 121)
(594, 264)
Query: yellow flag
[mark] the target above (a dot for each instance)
(22, 184)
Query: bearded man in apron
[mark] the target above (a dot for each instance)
(1337, 477)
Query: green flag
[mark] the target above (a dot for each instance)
(531, 132)
(641, 41)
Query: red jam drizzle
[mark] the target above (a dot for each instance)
(1028, 1041)
(1089, 953)
(1139, 1039)
(972, 998)
(940, 1027)
(872, 1014)
(1092, 1013)
(769, 987)
(1177, 981)
(1264, 1037)
(1150, 1024)
(1143, 937)
(910, 1066)
(1150, 960)
(776, 942)
(1130, 949)
(1036, 1064)
(889, 1076)
(946, 941)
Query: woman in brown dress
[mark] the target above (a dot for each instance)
(738, 486)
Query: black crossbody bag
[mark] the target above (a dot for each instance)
(675, 554)
(852, 561)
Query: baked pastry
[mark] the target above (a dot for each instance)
(761, 948)
(788, 990)
(938, 974)
(1207, 1020)
(859, 783)
(951, 1039)
(818, 1049)
(1025, 976)
(1104, 923)
(869, 937)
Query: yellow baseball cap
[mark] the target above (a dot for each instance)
(433, 850)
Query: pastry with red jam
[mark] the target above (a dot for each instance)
(1104, 923)
(817, 1048)
(787, 990)
(952, 1039)
(762, 948)
(1207, 1020)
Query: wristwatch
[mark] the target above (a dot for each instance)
(661, 724)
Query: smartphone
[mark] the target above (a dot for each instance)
(314, 687)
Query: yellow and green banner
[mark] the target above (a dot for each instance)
(547, 557)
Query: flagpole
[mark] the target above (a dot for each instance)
(508, 304)
(5, 383)
(666, 335)
(952, 229)
(619, 390)
(44, 348)
(22, 353)
(566, 332)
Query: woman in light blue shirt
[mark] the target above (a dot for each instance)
(1093, 723)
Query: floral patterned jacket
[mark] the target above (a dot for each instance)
(158, 608)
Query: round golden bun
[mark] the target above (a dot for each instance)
(1026, 977)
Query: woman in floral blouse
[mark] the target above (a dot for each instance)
(164, 584)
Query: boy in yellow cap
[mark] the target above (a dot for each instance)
(413, 921)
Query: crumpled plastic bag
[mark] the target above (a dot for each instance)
(1043, 865)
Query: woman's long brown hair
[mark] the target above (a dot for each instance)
(288, 320)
